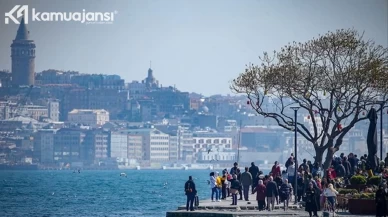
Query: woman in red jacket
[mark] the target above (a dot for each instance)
(276, 170)
(331, 174)
(260, 196)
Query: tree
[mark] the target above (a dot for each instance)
(336, 78)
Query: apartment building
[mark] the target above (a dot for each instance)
(89, 117)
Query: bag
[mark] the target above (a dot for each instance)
(196, 201)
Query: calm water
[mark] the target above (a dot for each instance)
(96, 193)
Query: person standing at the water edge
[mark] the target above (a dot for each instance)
(246, 182)
(235, 186)
(219, 186)
(254, 170)
(213, 186)
(190, 192)
(234, 169)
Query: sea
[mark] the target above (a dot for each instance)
(42, 193)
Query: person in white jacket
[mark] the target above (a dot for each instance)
(213, 186)
(330, 193)
(291, 175)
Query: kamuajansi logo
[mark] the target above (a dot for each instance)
(83, 17)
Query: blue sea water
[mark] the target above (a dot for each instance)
(96, 193)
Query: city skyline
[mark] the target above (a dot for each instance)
(191, 44)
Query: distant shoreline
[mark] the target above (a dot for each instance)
(120, 168)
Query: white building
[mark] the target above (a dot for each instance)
(205, 143)
(119, 146)
(204, 156)
(212, 146)
(135, 147)
(185, 144)
(53, 110)
(136, 89)
(37, 112)
(159, 146)
(155, 144)
(173, 149)
(93, 118)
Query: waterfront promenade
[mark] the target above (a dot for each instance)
(207, 208)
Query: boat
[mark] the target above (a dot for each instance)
(123, 174)
(164, 167)
(137, 167)
(185, 168)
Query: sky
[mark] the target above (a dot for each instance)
(197, 45)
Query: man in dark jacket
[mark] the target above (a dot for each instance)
(289, 160)
(272, 193)
(347, 166)
(386, 161)
(235, 186)
(254, 171)
(190, 192)
(340, 170)
(239, 179)
(352, 161)
(246, 181)
(233, 170)
(236, 171)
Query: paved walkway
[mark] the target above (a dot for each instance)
(207, 208)
(241, 204)
(252, 213)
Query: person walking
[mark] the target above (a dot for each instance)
(260, 189)
(234, 189)
(246, 182)
(190, 192)
(381, 203)
(271, 193)
(285, 192)
(311, 200)
(254, 170)
(291, 173)
(330, 194)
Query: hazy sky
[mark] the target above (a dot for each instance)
(198, 45)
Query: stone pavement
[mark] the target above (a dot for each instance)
(207, 208)
(241, 204)
(252, 213)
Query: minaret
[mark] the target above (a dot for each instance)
(23, 57)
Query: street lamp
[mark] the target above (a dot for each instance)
(295, 108)
(382, 103)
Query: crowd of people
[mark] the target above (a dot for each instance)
(317, 189)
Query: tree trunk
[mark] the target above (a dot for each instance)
(329, 158)
(319, 156)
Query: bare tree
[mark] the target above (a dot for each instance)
(336, 78)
